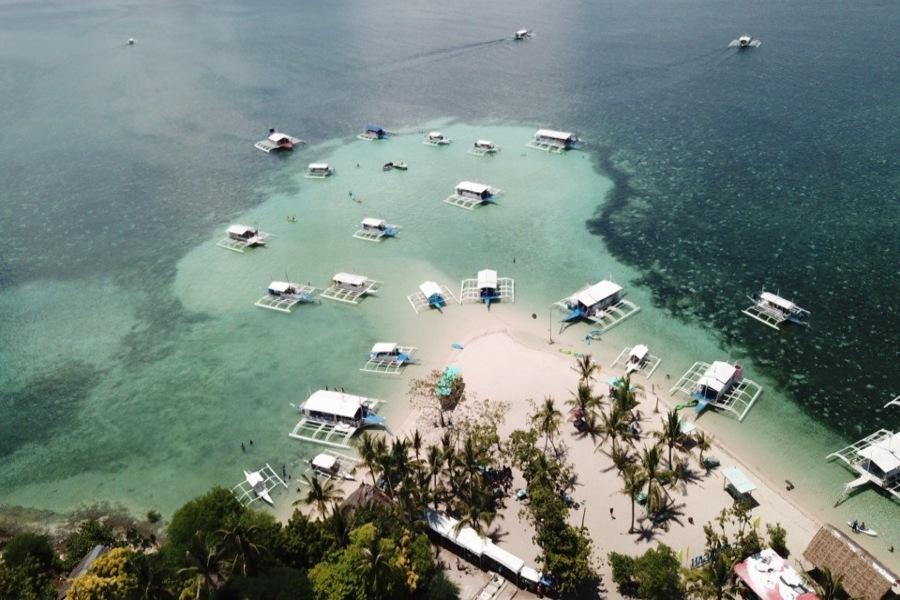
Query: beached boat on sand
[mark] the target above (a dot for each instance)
(487, 288)
(602, 303)
(637, 360)
(331, 418)
(719, 385)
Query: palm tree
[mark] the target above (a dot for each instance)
(583, 400)
(714, 580)
(320, 494)
(369, 455)
(621, 458)
(547, 420)
(613, 425)
(704, 442)
(634, 480)
(241, 543)
(670, 434)
(206, 572)
(341, 522)
(590, 426)
(586, 368)
(475, 509)
(680, 475)
(376, 566)
(150, 577)
(435, 460)
(650, 459)
(829, 587)
(417, 443)
(625, 394)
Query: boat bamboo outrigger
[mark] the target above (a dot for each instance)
(350, 288)
(483, 147)
(388, 358)
(331, 418)
(375, 230)
(284, 295)
(278, 141)
(637, 359)
(319, 171)
(430, 295)
(469, 194)
(744, 41)
(875, 458)
(257, 485)
(602, 303)
(487, 288)
(522, 34)
(550, 140)
(373, 132)
(436, 138)
(719, 385)
(332, 465)
(773, 310)
(241, 237)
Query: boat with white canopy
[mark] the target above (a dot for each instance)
(719, 385)
(483, 147)
(241, 237)
(744, 41)
(375, 230)
(875, 459)
(488, 288)
(522, 34)
(284, 295)
(319, 170)
(333, 465)
(350, 288)
(637, 359)
(258, 485)
(469, 194)
(602, 303)
(278, 141)
(331, 418)
(551, 140)
(773, 310)
(388, 358)
(436, 138)
(430, 295)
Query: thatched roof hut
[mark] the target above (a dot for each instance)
(366, 495)
(864, 576)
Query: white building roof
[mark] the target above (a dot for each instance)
(240, 229)
(430, 288)
(470, 186)
(553, 134)
(318, 166)
(326, 462)
(349, 279)
(372, 222)
(885, 454)
(484, 144)
(280, 286)
(333, 403)
(597, 293)
(487, 279)
(639, 352)
(507, 559)
(777, 301)
(384, 348)
(719, 375)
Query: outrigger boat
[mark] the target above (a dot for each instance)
(487, 288)
(284, 295)
(744, 41)
(278, 141)
(720, 385)
(469, 194)
(319, 171)
(773, 310)
(257, 485)
(241, 237)
(373, 132)
(330, 466)
(483, 147)
(257, 482)
(436, 138)
(331, 418)
(637, 359)
(602, 303)
(388, 358)
(350, 288)
(375, 230)
(430, 295)
(522, 34)
(550, 140)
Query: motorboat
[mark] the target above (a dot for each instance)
(522, 34)
(745, 41)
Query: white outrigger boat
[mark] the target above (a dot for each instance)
(388, 358)
(637, 360)
(241, 237)
(522, 34)
(550, 140)
(278, 141)
(284, 295)
(719, 385)
(430, 295)
(375, 230)
(332, 465)
(436, 138)
(744, 41)
(469, 194)
(350, 288)
(331, 418)
(257, 485)
(773, 310)
(484, 147)
(487, 288)
(602, 304)
(319, 171)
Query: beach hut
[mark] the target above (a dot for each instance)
(319, 170)
(388, 358)
(550, 140)
(436, 138)
(720, 385)
(278, 141)
(331, 417)
(373, 132)
(482, 147)
(738, 484)
(488, 288)
(350, 288)
(240, 237)
(375, 230)
(469, 194)
(430, 295)
(875, 459)
(773, 310)
(602, 303)
(284, 295)
(864, 576)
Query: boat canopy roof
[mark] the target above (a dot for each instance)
(522, 32)
(505, 558)
(640, 352)
(487, 278)
(435, 134)
(253, 478)
(718, 376)
(349, 278)
(740, 481)
(885, 454)
(324, 461)
(241, 229)
(277, 136)
(318, 166)
(431, 288)
(484, 144)
(280, 286)
(475, 188)
(563, 136)
(372, 222)
(384, 348)
(597, 293)
(777, 301)
(333, 403)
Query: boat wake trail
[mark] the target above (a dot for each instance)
(434, 55)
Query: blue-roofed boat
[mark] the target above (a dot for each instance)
(373, 132)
